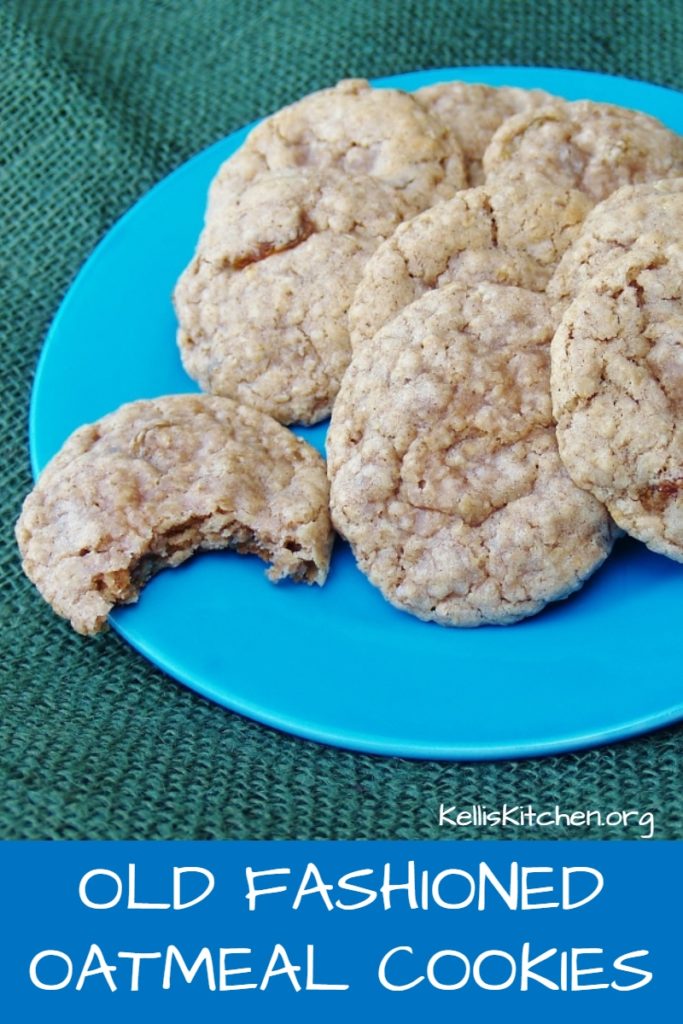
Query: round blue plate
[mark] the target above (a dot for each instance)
(339, 664)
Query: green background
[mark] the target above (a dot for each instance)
(100, 99)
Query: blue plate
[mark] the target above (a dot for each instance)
(339, 664)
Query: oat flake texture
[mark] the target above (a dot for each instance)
(263, 305)
(615, 226)
(595, 147)
(155, 481)
(473, 113)
(384, 133)
(617, 384)
(513, 233)
(445, 475)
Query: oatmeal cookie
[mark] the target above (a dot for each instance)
(506, 234)
(616, 225)
(595, 147)
(617, 385)
(383, 133)
(155, 481)
(263, 306)
(474, 112)
(444, 470)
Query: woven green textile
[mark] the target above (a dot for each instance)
(100, 99)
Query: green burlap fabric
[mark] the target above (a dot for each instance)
(100, 99)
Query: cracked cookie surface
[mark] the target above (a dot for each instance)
(444, 469)
(617, 385)
(147, 486)
(616, 225)
(474, 112)
(383, 133)
(263, 306)
(595, 147)
(508, 234)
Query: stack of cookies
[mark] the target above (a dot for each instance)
(485, 290)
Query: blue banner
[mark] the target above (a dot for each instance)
(304, 931)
